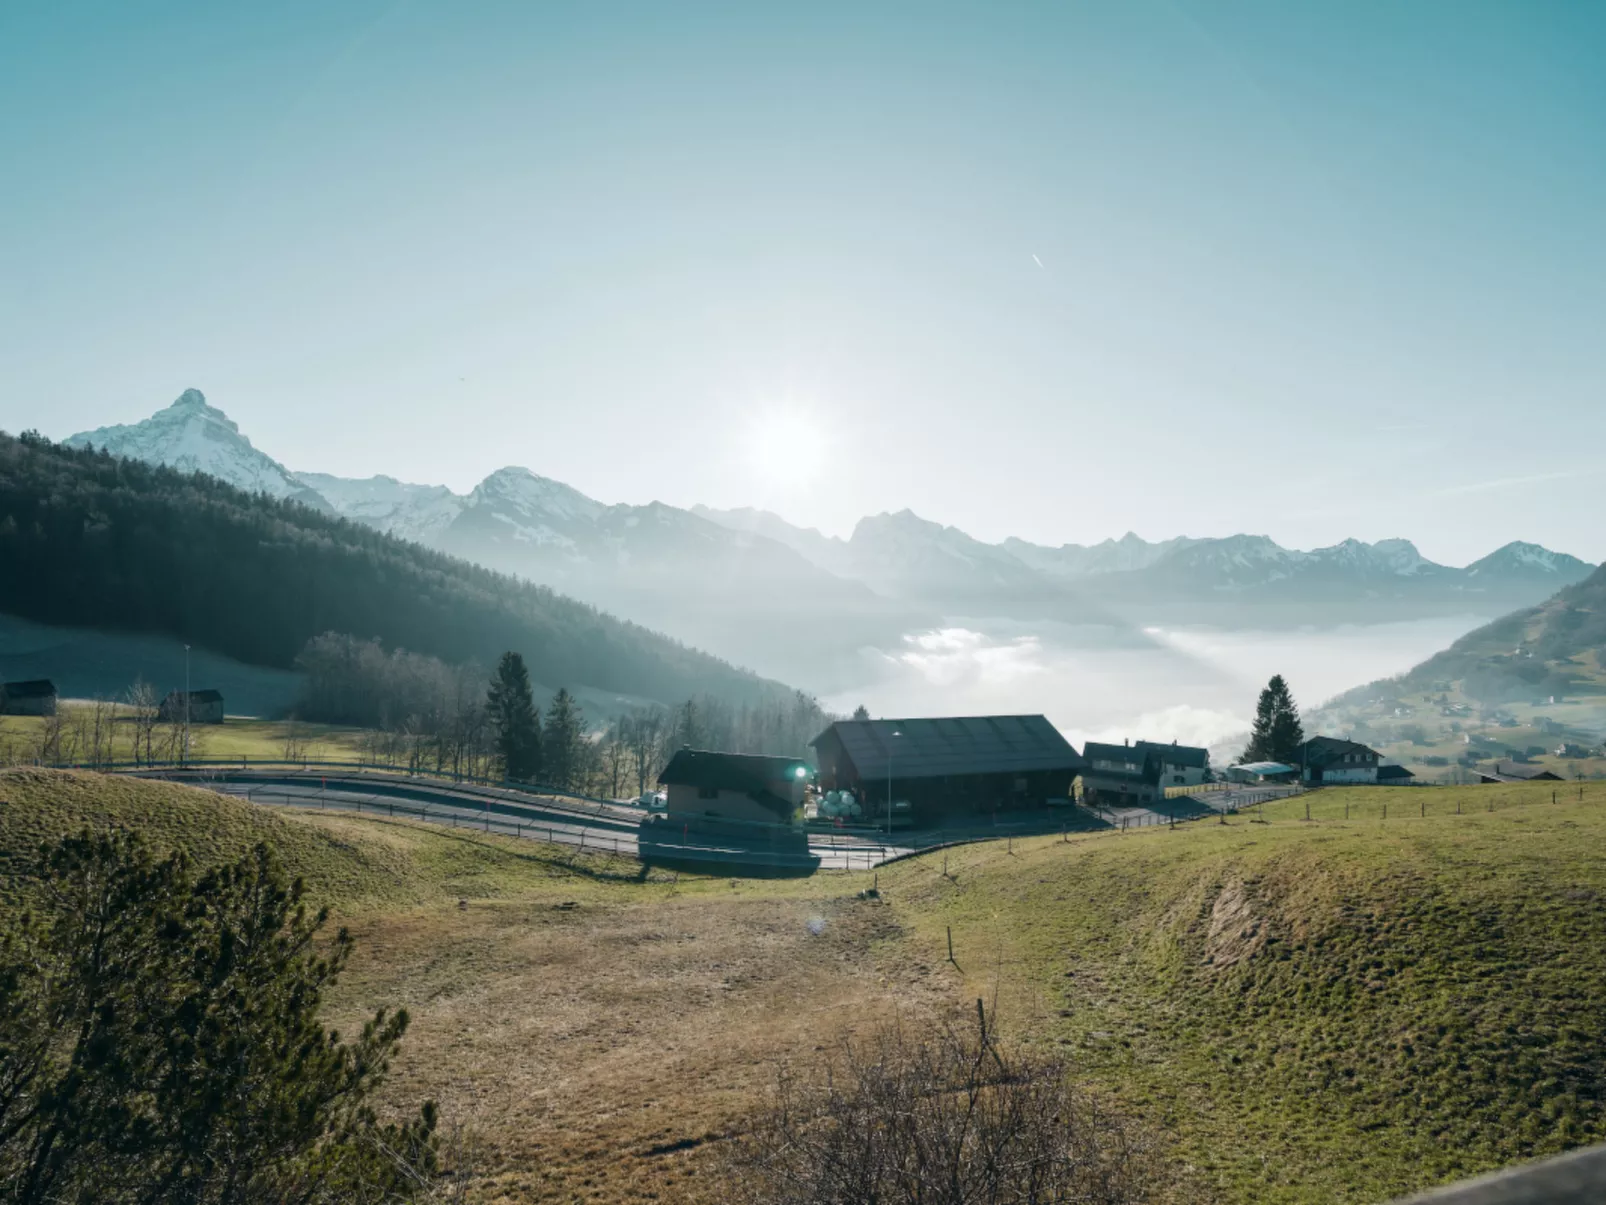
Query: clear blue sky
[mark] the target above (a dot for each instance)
(1051, 270)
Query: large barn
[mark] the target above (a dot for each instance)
(948, 768)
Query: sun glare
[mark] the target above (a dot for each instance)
(787, 447)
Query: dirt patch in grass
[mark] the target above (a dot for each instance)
(604, 1051)
(1237, 930)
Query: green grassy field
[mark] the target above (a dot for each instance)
(1311, 1010)
(1321, 1010)
(257, 740)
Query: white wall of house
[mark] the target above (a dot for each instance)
(1182, 776)
(1341, 773)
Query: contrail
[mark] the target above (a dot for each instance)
(1037, 261)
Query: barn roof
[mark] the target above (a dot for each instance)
(36, 688)
(748, 772)
(197, 696)
(940, 746)
(1320, 750)
(1511, 771)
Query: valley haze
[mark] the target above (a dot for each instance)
(1164, 639)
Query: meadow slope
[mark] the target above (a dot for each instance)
(1343, 1008)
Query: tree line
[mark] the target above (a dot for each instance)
(90, 540)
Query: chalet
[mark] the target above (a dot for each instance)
(1178, 765)
(703, 786)
(949, 767)
(1512, 771)
(37, 697)
(1120, 775)
(1329, 759)
(205, 707)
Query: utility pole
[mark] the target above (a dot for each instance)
(895, 733)
(185, 759)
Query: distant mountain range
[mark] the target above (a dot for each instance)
(752, 587)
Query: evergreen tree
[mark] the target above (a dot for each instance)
(160, 1040)
(511, 707)
(563, 743)
(861, 712)
(1277, 733)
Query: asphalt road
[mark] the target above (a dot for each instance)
(608, 828)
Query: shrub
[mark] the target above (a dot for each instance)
(160, 1042)
(940, 1118)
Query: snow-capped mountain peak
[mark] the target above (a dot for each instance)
(517, 490)
(1520, 559)
(194, 437)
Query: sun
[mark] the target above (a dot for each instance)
(786, 446)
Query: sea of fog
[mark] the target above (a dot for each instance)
(1191, 684)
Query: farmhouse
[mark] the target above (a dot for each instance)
(37, 697)
(949, 767)
(747, 788)
(1512, 771)
(206, 707)
(1330, 759)
(1178, 765)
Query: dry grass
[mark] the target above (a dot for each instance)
(597, 1036)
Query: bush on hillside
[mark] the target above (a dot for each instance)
(939, 1118)
(160, 1042)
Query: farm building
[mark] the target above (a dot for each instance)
(1139, 772)
(703, 786)
(1262, 771)
(1178, 765)
(1331, 759)
(37, 697)
(1513, 771)
(206, 707)
(949, 767)
(1394, 775)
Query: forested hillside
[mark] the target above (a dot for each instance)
(94, 541)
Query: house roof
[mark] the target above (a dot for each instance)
(36, 688)
(1512, 771)
(1177, 755)
(951, 745)
(751, 773)
(1264, 768)
(1320, 750)
(1384, 773)
(196, 696)
(1095, 751)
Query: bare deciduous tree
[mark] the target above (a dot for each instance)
(944, 1117)
(144, 709)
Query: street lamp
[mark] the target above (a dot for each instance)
(184, 758)
(895, 732)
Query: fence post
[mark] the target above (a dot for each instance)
(951, 945)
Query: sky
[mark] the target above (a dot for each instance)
(1055, 271)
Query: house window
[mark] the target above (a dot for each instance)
(1179, 778)
(708, 792)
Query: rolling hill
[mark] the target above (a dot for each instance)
(1531, 686)
(88, 540)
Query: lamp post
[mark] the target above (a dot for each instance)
(895, 733)
(184, 759)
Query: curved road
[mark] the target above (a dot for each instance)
(563, 820)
